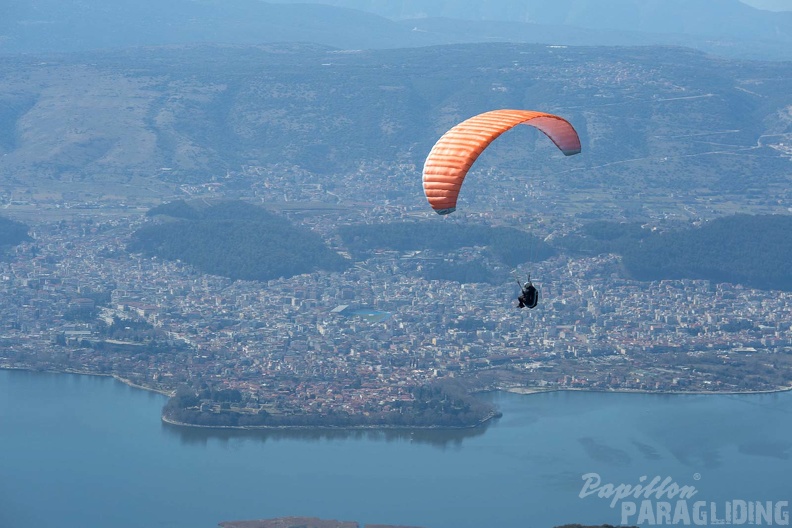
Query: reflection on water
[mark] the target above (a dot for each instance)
(649, 452)
(440, 438)
(766, 448)
(606, 454)
(90, 451)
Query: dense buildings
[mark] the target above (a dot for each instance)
(289, 346)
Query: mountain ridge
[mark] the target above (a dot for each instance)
(724, 27)
(653, 117)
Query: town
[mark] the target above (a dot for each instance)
(357, 341)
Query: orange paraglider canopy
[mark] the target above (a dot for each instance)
(454, 153)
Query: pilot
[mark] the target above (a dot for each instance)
(529, 297)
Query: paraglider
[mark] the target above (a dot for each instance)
(529, 296)
(455, 152)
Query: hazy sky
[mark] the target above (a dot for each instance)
(772, 5)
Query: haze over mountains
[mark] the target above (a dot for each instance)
(722, 18)
(726, 27)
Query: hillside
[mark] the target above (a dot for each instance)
(235, 240)
(511, 246)
(652, 120)
(11, 234)
(504, 248)
(755, 251)
(751, 250)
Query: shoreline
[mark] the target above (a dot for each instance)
(130, 383)
(527, 391)
(491, 416)
(116, 377)
(523, 391)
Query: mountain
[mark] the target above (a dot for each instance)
(725, 27)
(81, 25)
(693, 17)
(651, 119)
(719, 26)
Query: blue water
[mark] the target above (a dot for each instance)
(80, 451)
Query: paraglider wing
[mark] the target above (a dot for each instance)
(456, 151)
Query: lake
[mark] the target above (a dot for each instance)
(83, 451)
